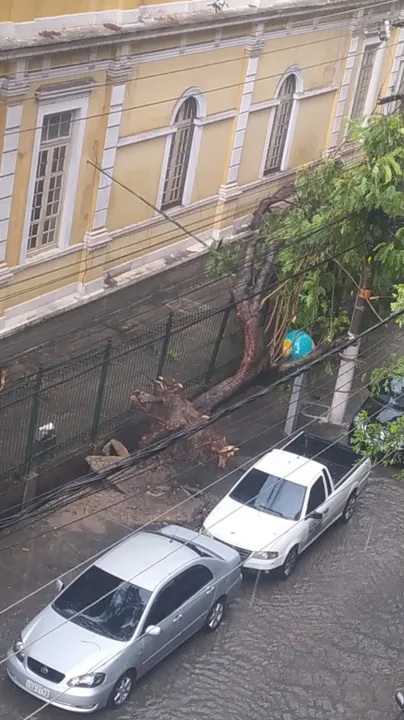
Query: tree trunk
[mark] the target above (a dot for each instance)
(252, 361)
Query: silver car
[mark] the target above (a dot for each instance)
(123, 615)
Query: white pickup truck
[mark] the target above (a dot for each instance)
(286, 500)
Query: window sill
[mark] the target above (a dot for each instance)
(41, 256)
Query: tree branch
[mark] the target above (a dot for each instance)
(358, 288)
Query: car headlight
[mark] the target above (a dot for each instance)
(18, 649)
(265, 555)
(90, 681)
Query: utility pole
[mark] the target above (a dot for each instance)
(349, 356)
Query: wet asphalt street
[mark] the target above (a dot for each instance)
(327, 644)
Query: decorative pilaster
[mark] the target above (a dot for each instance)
(118, 74)
(252, 52)
(397, 71)
(12, 92)
(229, 191)
(343, 93)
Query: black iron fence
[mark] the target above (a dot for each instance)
(65, 408)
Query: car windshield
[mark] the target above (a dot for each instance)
(392, 392)
(106, 605)
(270, 494)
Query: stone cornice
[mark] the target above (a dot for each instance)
(13, 86)
(63, 90)
(119, 71)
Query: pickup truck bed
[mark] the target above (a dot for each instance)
(338, 458)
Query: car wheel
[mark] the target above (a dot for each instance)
(122, 690)
(290, 563)
(349, 508)
(215, 615)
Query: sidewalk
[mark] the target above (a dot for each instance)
(117, 315)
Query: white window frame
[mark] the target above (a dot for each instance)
(199, 97)
(374, 80)
(294, 70)
(79, 107)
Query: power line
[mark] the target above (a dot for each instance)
(264, 547)
(49, 496)
(206, 92)
(146, 525)
(207, 225)
(294, 240)
(194, 322)
(101, 319)
(372, 6)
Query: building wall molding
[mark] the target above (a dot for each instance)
(96, 239)
(147, 135)
(74, 88)
(47, 256)
(6, 275)
(102, 64)
(13, 86)
(129, 20)
(109, 155)
(274, 102)
(156, 220)
(343, 93)
(397, 71)
(218, 117)
(8, 167)
(242, 120)
(169, 130)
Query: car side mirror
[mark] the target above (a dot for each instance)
(153, 630)
(400, 699)
(59, 585)
(315, 516)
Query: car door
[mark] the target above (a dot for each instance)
(317, 502)
(164, 613)
(198, 591)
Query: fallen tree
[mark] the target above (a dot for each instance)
(168, 410)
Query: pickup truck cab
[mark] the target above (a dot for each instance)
(287, 500)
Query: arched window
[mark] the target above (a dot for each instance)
(180, 150)
(280, 125)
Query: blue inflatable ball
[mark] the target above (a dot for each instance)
(297, 344)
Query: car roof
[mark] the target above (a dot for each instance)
(145, 559)
(284, 464)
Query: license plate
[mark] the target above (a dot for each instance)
(40, 690)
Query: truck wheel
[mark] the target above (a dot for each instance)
(290, 563)
(349, 508)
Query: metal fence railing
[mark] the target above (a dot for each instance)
(67, 407)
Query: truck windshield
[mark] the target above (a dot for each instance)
(270, 494)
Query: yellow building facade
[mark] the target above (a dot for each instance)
(132, 134)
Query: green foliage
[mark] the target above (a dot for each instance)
(398, 303)
(380, 377)
(224, 259)
(380, 443)
(353, 210)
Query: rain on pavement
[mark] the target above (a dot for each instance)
(327, 644)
